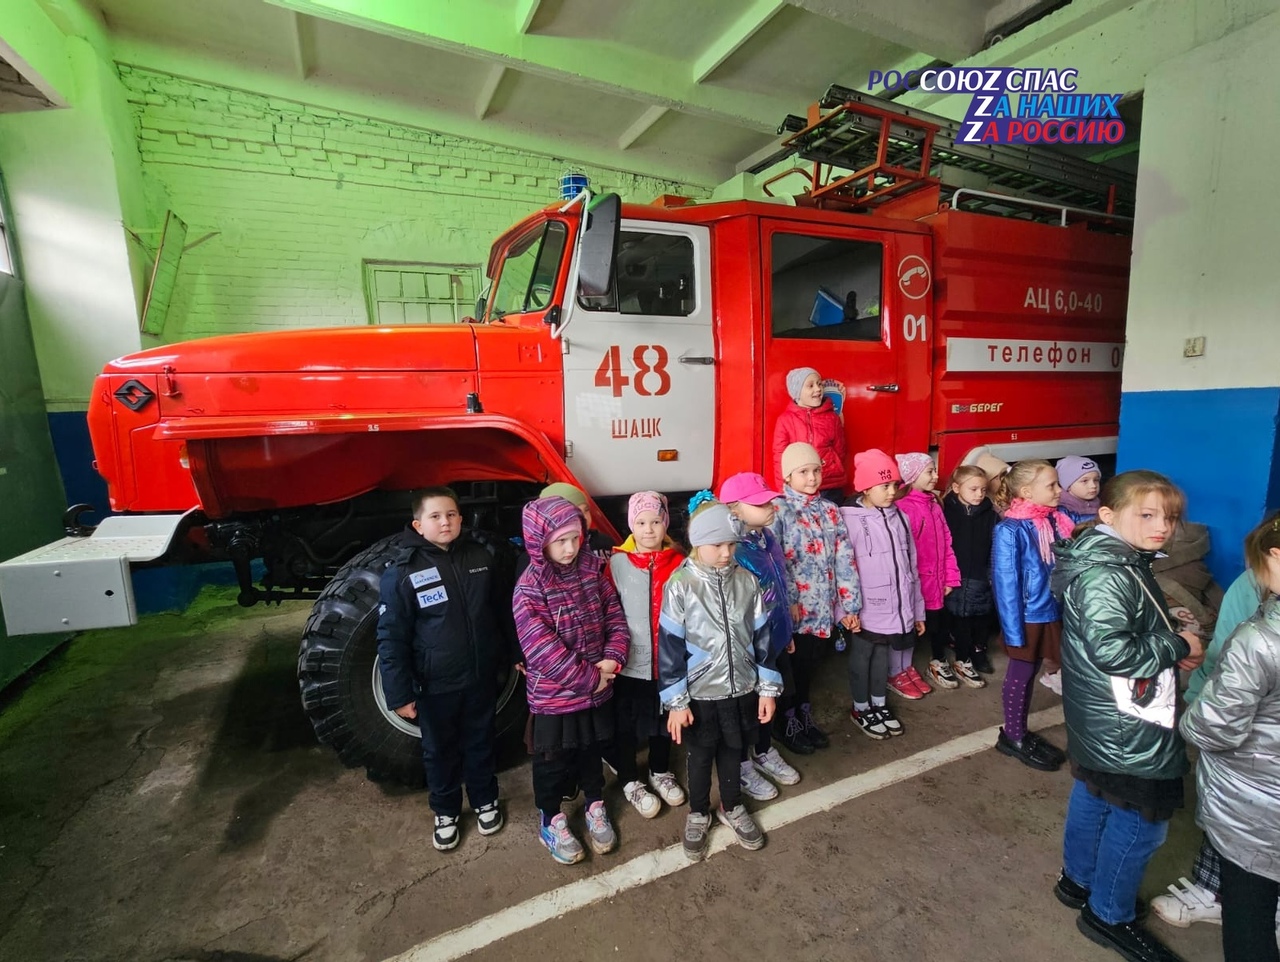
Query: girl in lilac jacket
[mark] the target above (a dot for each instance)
(574, 635)
(892, 605)
(939, 572)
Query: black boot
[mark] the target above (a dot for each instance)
(1130, 939)
(1025, 752)
(1045, 747)
(1075, 896)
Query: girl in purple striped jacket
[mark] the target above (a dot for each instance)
(574, 636)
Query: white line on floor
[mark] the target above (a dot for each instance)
(657, 864)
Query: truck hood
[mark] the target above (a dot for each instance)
(428, 347)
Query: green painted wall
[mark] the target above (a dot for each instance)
(300, 197)
(30, 489)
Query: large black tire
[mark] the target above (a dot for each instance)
(339, 682)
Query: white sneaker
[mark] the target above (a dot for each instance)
(755, 785)
(1053, 681)
(776, 767)
(668, 789)
(1187, 904)
(645, 802)
(941, 675)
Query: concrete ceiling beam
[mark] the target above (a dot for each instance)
(738, 33)
(488, 90)
(304, 46)
(526, 10)
(334, 95)
(36, 47)
(646, 120)
(950, 32)
(601, 65)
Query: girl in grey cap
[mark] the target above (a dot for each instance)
(716, 670)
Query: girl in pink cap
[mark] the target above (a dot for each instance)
(939, 572)
(892, 606)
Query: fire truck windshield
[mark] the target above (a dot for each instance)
(527, 277)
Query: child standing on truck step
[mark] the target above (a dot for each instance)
(750, 501)
(1021, 562)
(716, 669)
(574, 635)
(893, 612)
(811, 417)
(972, 522)
(438, 643)
(640, 569)
(821, 574)
(936, 560)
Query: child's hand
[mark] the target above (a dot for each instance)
(767, 706)
(795, 612)
(852, 622)
(608, 665)
(408, 712)
(791, 647)
(519, 666)
(1196, 658)
(947, 591)
(678, 720)
(919, 628)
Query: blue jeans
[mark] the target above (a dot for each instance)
(1106, 849)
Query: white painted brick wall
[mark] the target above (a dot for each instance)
(301, 196)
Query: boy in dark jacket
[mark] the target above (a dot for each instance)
(438, 642)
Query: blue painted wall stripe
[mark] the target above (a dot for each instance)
(1221, 447)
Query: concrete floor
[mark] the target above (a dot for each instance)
(163, 798)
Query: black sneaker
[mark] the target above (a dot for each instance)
(869, 723)
(791, 733)
(446, 835)
(1045, 747)
(1076, 896)
(982, 663)
(489, 818)
(1130, 939)
(815, 735)
(1025, 753)
(888, 719)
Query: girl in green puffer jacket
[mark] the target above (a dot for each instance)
(1120, 655)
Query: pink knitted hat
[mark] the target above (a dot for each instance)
(873, 467)
(643, 501)
(913, 465)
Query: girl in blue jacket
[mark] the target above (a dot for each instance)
(1021, 560)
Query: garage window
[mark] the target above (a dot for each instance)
(401, 293)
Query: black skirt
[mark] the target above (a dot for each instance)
(588, 728)
(637, 708)
(733, 721)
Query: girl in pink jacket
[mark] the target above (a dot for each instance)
(892, 606)
(939, 572)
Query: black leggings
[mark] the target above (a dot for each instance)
(621, 754)
(935, 630)
(804, 665)
(968, 634)
(556, 773)
(1248, 915)
(727, 760)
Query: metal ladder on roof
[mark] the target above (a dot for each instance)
(866, 152)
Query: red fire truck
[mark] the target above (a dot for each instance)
(957, 299)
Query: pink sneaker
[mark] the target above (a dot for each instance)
(922, 686)
(904, 686)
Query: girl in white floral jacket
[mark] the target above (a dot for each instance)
(821, 574)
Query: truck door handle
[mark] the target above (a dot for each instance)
(888, 388)
(697, 359)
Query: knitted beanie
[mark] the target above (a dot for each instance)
(913, 465)
(643, 501)
(796, 378)
(712, 524)
(562, 489)
(797, 455)
(873, 467)
(1073, 467)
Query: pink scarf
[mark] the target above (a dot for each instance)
(1023, 510)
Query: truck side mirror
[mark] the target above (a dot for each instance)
(598, 253)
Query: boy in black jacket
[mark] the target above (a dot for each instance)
(438, 643)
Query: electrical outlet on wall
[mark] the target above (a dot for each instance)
(1193, 347)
